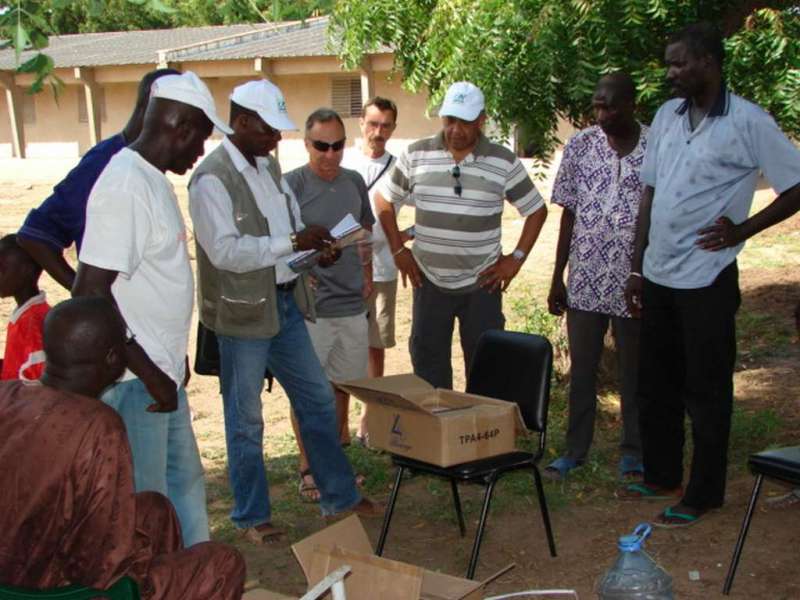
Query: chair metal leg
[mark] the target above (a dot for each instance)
(387, 516)
(545, 513)
(476, 547)
(457, 502)
(737, 552)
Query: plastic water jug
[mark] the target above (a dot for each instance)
(635, 576)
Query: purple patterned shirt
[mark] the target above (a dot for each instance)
(603, 192)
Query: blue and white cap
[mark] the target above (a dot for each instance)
(463, 100)
(265, 99)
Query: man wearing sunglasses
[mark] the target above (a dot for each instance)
(247, 222)
(457, 181)
(327, 193)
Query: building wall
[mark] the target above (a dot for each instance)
(6, 147)
(57, 131)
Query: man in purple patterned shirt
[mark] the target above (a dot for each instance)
(598, 186)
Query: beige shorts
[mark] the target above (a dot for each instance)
(381, 306)
(341, 346)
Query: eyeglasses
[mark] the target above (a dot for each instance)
(325, 146)
(456, 173)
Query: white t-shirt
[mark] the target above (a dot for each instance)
(383, 267)
(134, 226)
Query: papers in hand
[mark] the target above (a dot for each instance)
(346, 232)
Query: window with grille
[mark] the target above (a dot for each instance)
(346, 96)
(28, 109)
(83, 114)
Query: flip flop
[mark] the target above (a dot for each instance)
(308, 491)
(683, 519)
(644, 491)
(631, 468)
(559, 468)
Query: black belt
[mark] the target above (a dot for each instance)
(288, 286)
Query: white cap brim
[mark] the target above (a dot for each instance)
(184, 98)
(279, 122)
(460, 112)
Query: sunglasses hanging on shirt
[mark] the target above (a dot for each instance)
(456, 173)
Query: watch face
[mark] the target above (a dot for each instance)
(518, 254)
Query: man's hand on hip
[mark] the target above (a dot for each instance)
(722, 234)
(500, 274)
(408, 267)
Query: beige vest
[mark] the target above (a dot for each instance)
(242, 304)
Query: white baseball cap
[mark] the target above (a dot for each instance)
(189, 89)
(463, 100)
(266, 100)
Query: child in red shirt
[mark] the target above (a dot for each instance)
(19, 277)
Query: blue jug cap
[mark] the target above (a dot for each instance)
(633, 542)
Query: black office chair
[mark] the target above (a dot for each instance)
(782, 464)
(510, 366)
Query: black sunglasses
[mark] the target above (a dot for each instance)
(325, 146)
(456, 173)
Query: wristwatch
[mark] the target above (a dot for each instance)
(519, 255)
(293, 239)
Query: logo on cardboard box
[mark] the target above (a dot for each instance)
(396, 435)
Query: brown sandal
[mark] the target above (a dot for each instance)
(266, 533)
(308, 489)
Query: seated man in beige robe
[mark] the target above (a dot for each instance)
(69, 512)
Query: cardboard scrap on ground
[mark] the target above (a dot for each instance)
(346, 543)
(411, 418)
(259, 594)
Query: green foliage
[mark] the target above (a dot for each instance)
(764, 64)
(538, 59)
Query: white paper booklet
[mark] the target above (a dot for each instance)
(346, 232)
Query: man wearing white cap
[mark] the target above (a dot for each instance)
(457, 181)
(246, 223)
(134, 253)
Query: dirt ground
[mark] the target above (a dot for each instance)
(585, 530)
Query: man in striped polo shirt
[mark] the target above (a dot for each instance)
(457, 181)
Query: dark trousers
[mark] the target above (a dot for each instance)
(586, 331)
(688, 352)
(433, 318)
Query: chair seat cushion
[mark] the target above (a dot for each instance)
(781, 463)
(471, 470)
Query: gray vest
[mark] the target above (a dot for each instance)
(242, 304)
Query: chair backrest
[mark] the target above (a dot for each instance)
(516, 367)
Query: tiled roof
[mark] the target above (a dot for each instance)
(269, 40)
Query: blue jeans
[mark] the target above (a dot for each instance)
(165, 455)
(291, 358)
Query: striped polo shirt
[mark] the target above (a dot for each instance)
(457, 237)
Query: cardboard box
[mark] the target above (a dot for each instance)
(261, 594)
(346, 543)
(409, 417)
